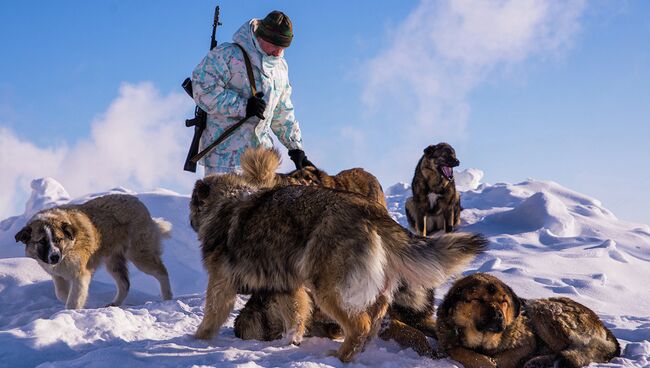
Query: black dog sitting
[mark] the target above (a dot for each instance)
(435, 204)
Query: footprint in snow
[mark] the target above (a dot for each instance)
(515, 271)
(490, 265)
(600, 277)
(578, 283)
(609, 247)
(547, 282)
(565, 290)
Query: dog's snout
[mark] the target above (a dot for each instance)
(496, 314)
(55, 258)
(53, 255)
(496, 321)
(493, 321)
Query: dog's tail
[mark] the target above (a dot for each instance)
(164, 226)
(259, 165)
(428, 262)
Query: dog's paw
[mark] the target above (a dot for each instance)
(546, 361)
(203, 334)
(296, 339)
(345, 357)
(293, 338)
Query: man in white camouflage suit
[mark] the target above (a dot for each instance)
(221, 88)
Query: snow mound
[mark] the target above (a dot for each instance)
(539, 211)
(468, 179)
(46, 193)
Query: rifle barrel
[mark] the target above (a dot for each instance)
(213, 41)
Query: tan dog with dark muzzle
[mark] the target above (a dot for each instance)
(482, 323)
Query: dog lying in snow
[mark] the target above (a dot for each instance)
(483, 323)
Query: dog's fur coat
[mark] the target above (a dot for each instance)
(259, 167)
(345, 249)
(71, 241)
(482, 323)
(435, 199)
(263, 313)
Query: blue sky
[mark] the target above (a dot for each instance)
(522, 89)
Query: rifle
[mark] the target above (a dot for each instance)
(200, 116)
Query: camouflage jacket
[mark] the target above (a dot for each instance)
(221, 88)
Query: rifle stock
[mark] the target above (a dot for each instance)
(194, 149)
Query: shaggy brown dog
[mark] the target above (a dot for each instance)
(345, 249)
(435, 205)
(71, 241)
(482, 323)
(413, 306)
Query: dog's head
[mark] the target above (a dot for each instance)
(481, 308)
(441, 158)
(213, 190)
(309, 175)
(47, 236)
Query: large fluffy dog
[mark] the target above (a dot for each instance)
(71, 241)
(345, 249)
(482, 323)
(435, 204)
(263, 316)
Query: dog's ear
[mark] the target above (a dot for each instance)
(24, 235)
(429, 150)
(516, 301)
(244, 194)
(202, 190)
(68, 230)
(454, 295)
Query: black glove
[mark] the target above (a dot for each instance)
(256, 106)
(299, 159)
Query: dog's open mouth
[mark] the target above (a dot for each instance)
(447, 172)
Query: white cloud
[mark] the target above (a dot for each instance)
(139, 142)
(444, 49)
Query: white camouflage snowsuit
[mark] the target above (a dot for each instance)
(221, 88)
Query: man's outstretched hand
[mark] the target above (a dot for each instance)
(299, 159)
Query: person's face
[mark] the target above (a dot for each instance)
(269, 48)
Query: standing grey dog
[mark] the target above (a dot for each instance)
(347, 250)
(71, 241)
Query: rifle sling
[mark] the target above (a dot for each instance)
(231, 129)
(249, 70)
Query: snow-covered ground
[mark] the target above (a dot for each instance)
(545, 240)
